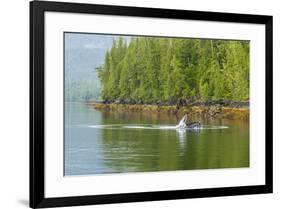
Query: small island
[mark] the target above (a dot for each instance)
(200, 77)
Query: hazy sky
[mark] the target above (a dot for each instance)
(86, 51)
(83, 54)
(87, 41)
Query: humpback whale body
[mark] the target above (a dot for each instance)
(184, 125)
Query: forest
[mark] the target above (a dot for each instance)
(153, 69)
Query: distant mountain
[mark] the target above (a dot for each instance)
(81, 63)
(83, 54)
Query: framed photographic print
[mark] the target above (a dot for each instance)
(135, 104)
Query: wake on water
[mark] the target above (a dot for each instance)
(150, 126)
(181, 127)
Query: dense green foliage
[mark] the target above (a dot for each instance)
(152, 70)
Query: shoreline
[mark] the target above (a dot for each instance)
(211, 110)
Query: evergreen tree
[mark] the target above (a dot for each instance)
(151, 70)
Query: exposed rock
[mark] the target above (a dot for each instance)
(235, 110)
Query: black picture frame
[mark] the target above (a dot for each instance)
(37, 115)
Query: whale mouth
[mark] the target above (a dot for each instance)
(182, 123)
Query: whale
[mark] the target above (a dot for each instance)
(183, 124)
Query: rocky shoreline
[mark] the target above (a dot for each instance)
(214, 109)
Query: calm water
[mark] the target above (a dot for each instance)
(133, 142)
